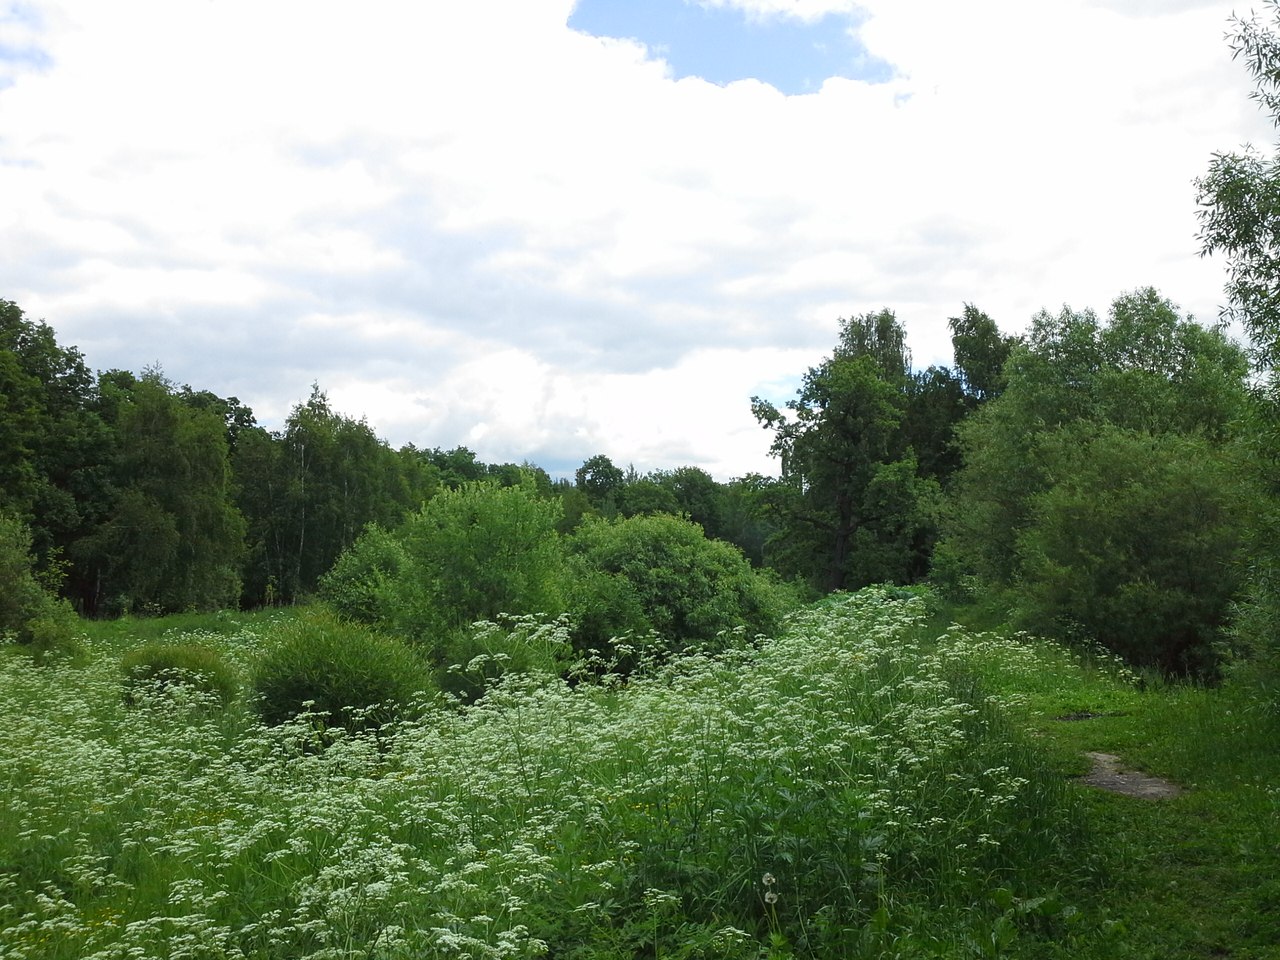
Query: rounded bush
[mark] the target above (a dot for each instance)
(165, 668)
(353, 676)
(363, 583)
(660, 574)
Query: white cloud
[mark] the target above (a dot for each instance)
(477, 226)
(800, 9)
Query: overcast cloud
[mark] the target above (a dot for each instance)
(475, 225)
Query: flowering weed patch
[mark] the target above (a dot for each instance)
(842, 790)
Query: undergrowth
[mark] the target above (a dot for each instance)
(855, 787)
(1189, 877)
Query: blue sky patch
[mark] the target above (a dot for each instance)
(722, 44)
(18, 53)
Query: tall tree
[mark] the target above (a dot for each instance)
(261, 490)
(698, 496)
(939, 399)
(601, 480)
(457, 467)
(850, 495)
(936, 403)
(338, 476)
(52, 442)
(173, 538)
(980, 353)
(1240, 217)
(1239, 198)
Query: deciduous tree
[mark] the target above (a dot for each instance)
(1036, 513)
(601, 480)
(1240, 217)
(172, 538)
(842, 446)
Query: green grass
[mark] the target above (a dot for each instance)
(1189, 877)
(1199, 875)
(133, 631)
(864, 785)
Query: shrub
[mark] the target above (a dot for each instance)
(489, 651)
(29, 613)
(469, 554)
(355, 677)
(164, 668)
(1136, 544)
(661, 574)
(362, 584)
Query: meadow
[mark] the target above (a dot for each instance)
(874, 781)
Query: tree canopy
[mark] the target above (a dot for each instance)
(1102, 478)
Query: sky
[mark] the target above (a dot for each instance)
(546, 230)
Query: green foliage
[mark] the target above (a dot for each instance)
(1136, 544)
(29, 613)
(936, 403)
(1240, 195)
(20, 598)
(1102, 491)
(646, 495)
(308, 491)
(469, 554)
(600, 479)
(54, 633)
(980, 353)
(1188, 877)
(363, 585)
(1239, 198)
(163, 669)
(609, 615)
(745, 518)
(335, 476)
(1255, 632)
(697, 496)
(347, 673)
(488, 651)
(456, 467)
(660, 574)
(52, 443)
(879, 791)
(857, 787)
(842, 447)
(939, 399)
(172, 538)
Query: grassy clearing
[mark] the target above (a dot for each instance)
(1195, 876)
(855, 787)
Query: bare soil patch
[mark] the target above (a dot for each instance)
(1109, 773)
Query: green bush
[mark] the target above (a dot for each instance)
(30, 614)
(165, 668)
(1137, 544)
(353, 676)
(660, 574)
(363, 583)
(469, 554)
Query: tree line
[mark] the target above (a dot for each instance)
(142, 495)
(1091, 476)
(138, 495)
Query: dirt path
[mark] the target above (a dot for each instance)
(1109, 773)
